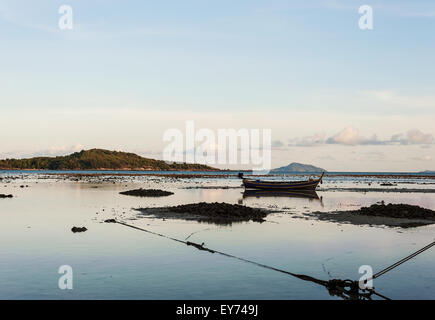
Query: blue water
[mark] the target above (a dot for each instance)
(114, 262)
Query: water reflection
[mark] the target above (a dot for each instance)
(299, 194)
(36, 223)
(309, 194)
(343, 289)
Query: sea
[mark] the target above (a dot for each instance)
(112, 261)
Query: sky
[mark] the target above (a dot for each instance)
(333, 95)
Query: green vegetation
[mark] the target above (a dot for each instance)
(98, 159)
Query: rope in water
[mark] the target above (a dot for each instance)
(201, 247)
(398, 263)
(152, 232)
(300, 276)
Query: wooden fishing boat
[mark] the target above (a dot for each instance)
(287, 193)
(310, 184)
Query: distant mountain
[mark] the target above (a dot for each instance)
(428, 171)
(298, 167)
(98, 159)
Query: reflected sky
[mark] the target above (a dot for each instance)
(114, 262)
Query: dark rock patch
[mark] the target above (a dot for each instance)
(397, 211)
(391, 215)
(147, 193)
(388, 184)
(78, 229)
(217, 213)
(3, 196)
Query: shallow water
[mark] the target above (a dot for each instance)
(111, 261)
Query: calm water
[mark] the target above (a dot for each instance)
(111, 261)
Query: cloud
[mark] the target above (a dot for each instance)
(326, 157)
(316, 139)
(277, 144)
(50, 152)
(59, 150)
(351, 136)
(413, 137)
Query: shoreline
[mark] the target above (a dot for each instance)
(213, 173)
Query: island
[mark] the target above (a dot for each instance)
(99, 159)
(298, 167)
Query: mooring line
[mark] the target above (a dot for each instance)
(201, 247)
(327, 284)
(398, 263)
(141, 229)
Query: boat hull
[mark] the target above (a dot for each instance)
(264, 185)
(258, 193)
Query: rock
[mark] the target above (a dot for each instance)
(2, 196)
(110, 221)
(392, 215)
(147, 193)
(218, 213)
(78, 229)
(398, 211)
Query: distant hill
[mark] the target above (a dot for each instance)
(298, 167)
(428, 171)
(98, 159)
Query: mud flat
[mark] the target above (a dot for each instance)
(147, 193)
(143, 174)
(217, 213)
(399, 190)
(382, 176)
(213, 187)
(391, 215)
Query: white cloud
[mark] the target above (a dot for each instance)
(316, 139)
(62, 150)
(413, 137)
(50, 152)
(351, 136)
(277, 144)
